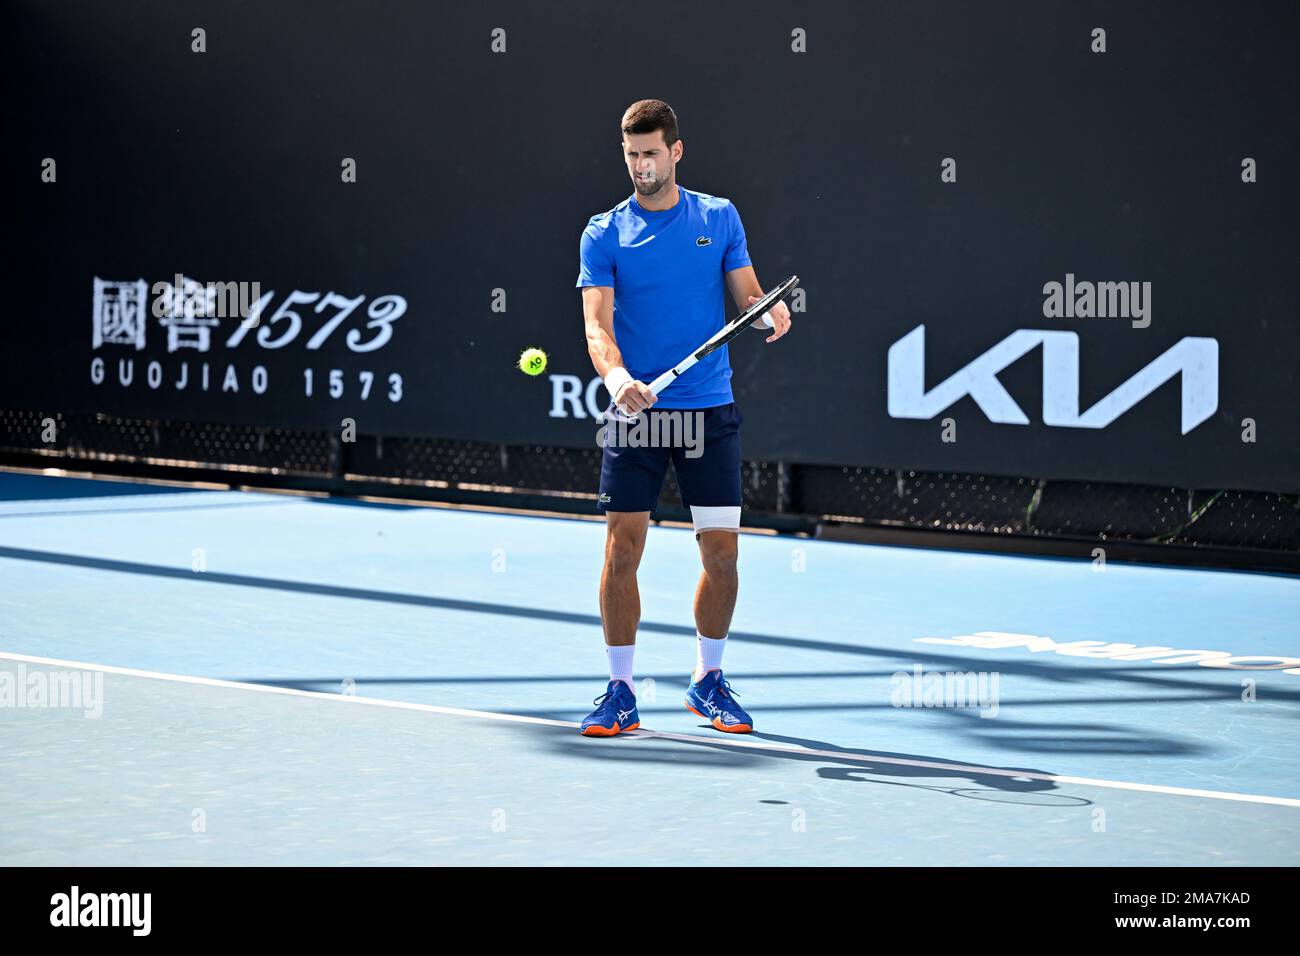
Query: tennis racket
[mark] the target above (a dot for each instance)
(719, 339)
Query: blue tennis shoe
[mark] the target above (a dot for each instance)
(615, 712)
(712, 698)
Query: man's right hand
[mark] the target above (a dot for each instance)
(634, 397)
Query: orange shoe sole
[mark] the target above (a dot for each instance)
(594, 731)
(717, 723)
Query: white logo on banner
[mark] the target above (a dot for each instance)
(1195, 359)
(193, 313)
(571, 397)
(188, 310)
(119, 313)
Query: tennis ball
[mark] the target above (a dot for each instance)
(532, 362)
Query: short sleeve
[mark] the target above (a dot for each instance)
(737, 255)
(595, 268)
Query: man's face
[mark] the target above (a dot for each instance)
(650, 162)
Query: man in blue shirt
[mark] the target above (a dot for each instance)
(654, 272)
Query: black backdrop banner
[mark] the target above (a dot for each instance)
(1020, 254)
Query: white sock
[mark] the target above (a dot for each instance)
(620, 664)
(708, 655)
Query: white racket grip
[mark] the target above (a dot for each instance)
(659, 384)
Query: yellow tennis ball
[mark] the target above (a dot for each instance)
(532, 362)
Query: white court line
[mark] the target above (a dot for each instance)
(720, 740)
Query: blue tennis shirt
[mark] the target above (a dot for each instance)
(666, 269)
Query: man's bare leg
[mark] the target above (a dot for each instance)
(620, 600)
(715, 597)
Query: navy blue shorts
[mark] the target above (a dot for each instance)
(704, 447)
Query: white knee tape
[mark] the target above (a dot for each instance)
(725, 518)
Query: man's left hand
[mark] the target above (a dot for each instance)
(780, 314)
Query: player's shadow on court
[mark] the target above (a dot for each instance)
(995, 784)
(1020, 785)
(1045, 737)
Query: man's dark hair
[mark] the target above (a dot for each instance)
(646, 116)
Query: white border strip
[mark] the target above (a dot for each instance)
(720, 740)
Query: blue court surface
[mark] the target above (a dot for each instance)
(215, 677)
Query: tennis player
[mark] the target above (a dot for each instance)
(654, 272)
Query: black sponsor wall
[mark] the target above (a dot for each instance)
(476, 171)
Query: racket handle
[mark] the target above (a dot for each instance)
(659, 384)
(656, 387)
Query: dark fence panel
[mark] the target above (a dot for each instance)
(476, 170)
